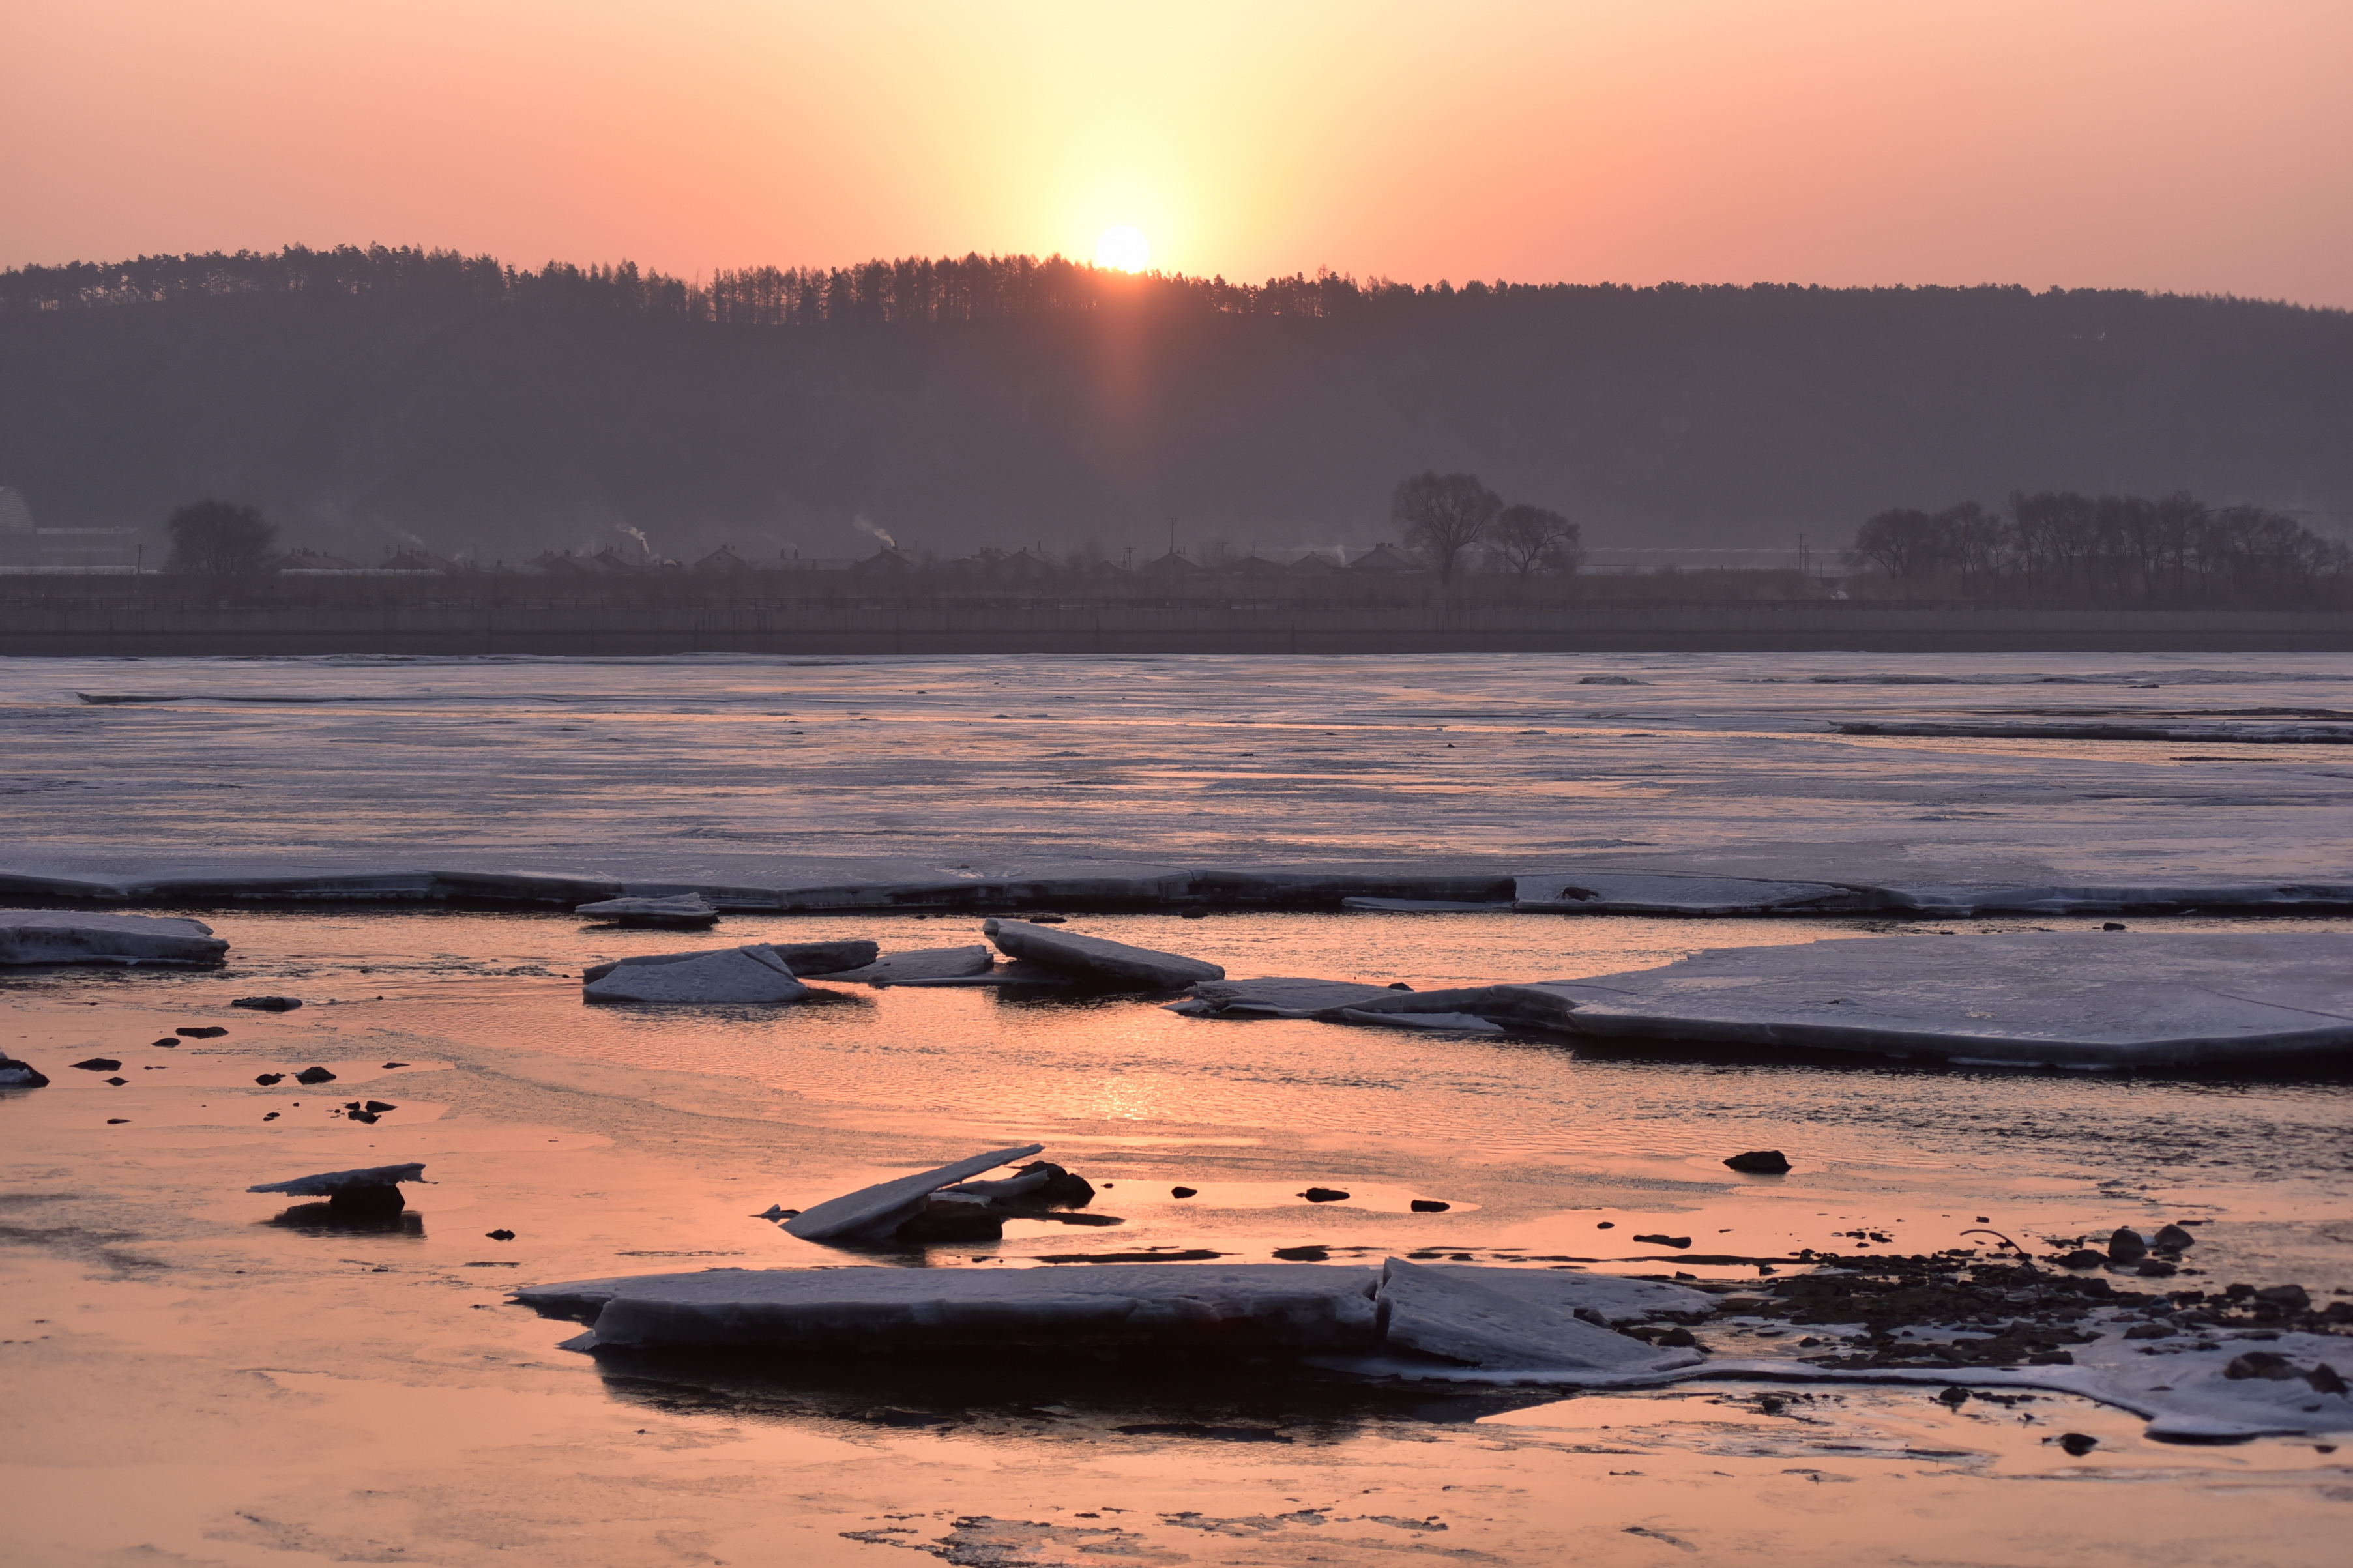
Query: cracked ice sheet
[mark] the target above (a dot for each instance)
(769, 772)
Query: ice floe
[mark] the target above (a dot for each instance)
(52, 936)
(1275, 996)
(1095, 960)
(1459, 1315)
(679, 911)
(803, 958)
(752, 973)
(372, 1186)
(922, 963)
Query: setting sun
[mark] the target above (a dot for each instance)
(1123, 247)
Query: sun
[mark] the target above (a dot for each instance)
(1123, 248)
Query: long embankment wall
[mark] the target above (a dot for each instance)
(1468, 628)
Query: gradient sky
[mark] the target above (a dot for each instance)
(2168, 144)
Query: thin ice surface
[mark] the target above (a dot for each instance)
(45, 936)
(1458, 1317)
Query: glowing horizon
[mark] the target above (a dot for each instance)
(2175, 145)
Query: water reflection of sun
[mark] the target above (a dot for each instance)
(1122, 249)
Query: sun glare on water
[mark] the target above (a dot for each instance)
(1123, 247)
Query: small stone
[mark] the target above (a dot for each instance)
(500, 1235)
(368, 1116)
(1183, 1192)
(1303, 1254)
(201, 1031)
(1049, 920)
(266, 1078)
(271, 1116)
(314, 1075)
(1665, 1240)
(118, 1082)
(99, 1064)
(1955, 1396)
(1607, 1224)
(2269, 1365)
(267, 1004)
(1324, 1195)
(2155, 1268)
(169, 1043)
(2079, 1444)
(389, 1066)
(379, 1106)
(1398, 986)
(2287, 1298)
(2172, 1238)
(1430, 1206)
(1760, 1162)
(2326, 1379)
(1676, 1340)
(2151, 1332)
(2126, 1246)
(2113, 925)
(116, 1121)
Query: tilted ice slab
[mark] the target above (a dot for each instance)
(752, 974)
(1461, 1315)
(1608, 893)
(801, 957)
(1275, 996)
(885, 1204)
(1096, 959)
(336, 1183)
(2105, 999)
(923, 964)
(1295, 1306)
(51, 936)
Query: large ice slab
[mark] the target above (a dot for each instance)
(58, 936)
(677, 910)
(1101, 962)
(803, 958)
(1619, 893)
(752, 974)
(922, 963)
(886, 1203)
(2109, 999)
(1292, 1306)
(1459, 1316)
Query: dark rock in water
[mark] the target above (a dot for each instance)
(1061, 1188)
(273, 1116)
(379, 1106)
(2172, 1238)
(1183, 1192)
(1196, 914)
(2079, 1444)
(2269, 1365)
(389, 1066)
(314, 1075)
(2083, 1257)
(116, 1121)
(2151, 1332)
(1303, 1254)
(1607, 1224)
(1398, 986)
(952, 1219)
(2155, 1268)
(1049, 920)
(266, 1078)
(1324, 1195)
(2113, 925)
(2126, 1246)
(1676, 1340)
(170, 1043)
(118, 1082)
(1955, 1396)
(1665, 1240)
(2326, 1379)
(99, 1064)
(777, 1211)
(14, 1074)
(500, 1235)
(369, 1200)
(2287, 1298)
(368, 1116)
(201, 1031)
(267, 1004)
(1760, 1162)
(1430, 1206)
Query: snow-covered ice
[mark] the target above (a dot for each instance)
(880, 1206)
(1095, 960)
(49, 936)
(1458, 1316)
(372, 1186)
(749, 974)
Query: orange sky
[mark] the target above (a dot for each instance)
(2159, 145)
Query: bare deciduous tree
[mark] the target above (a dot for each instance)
(218, 538)
(1444, 517)
(1531, 541)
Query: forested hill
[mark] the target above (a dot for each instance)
(358, 395)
